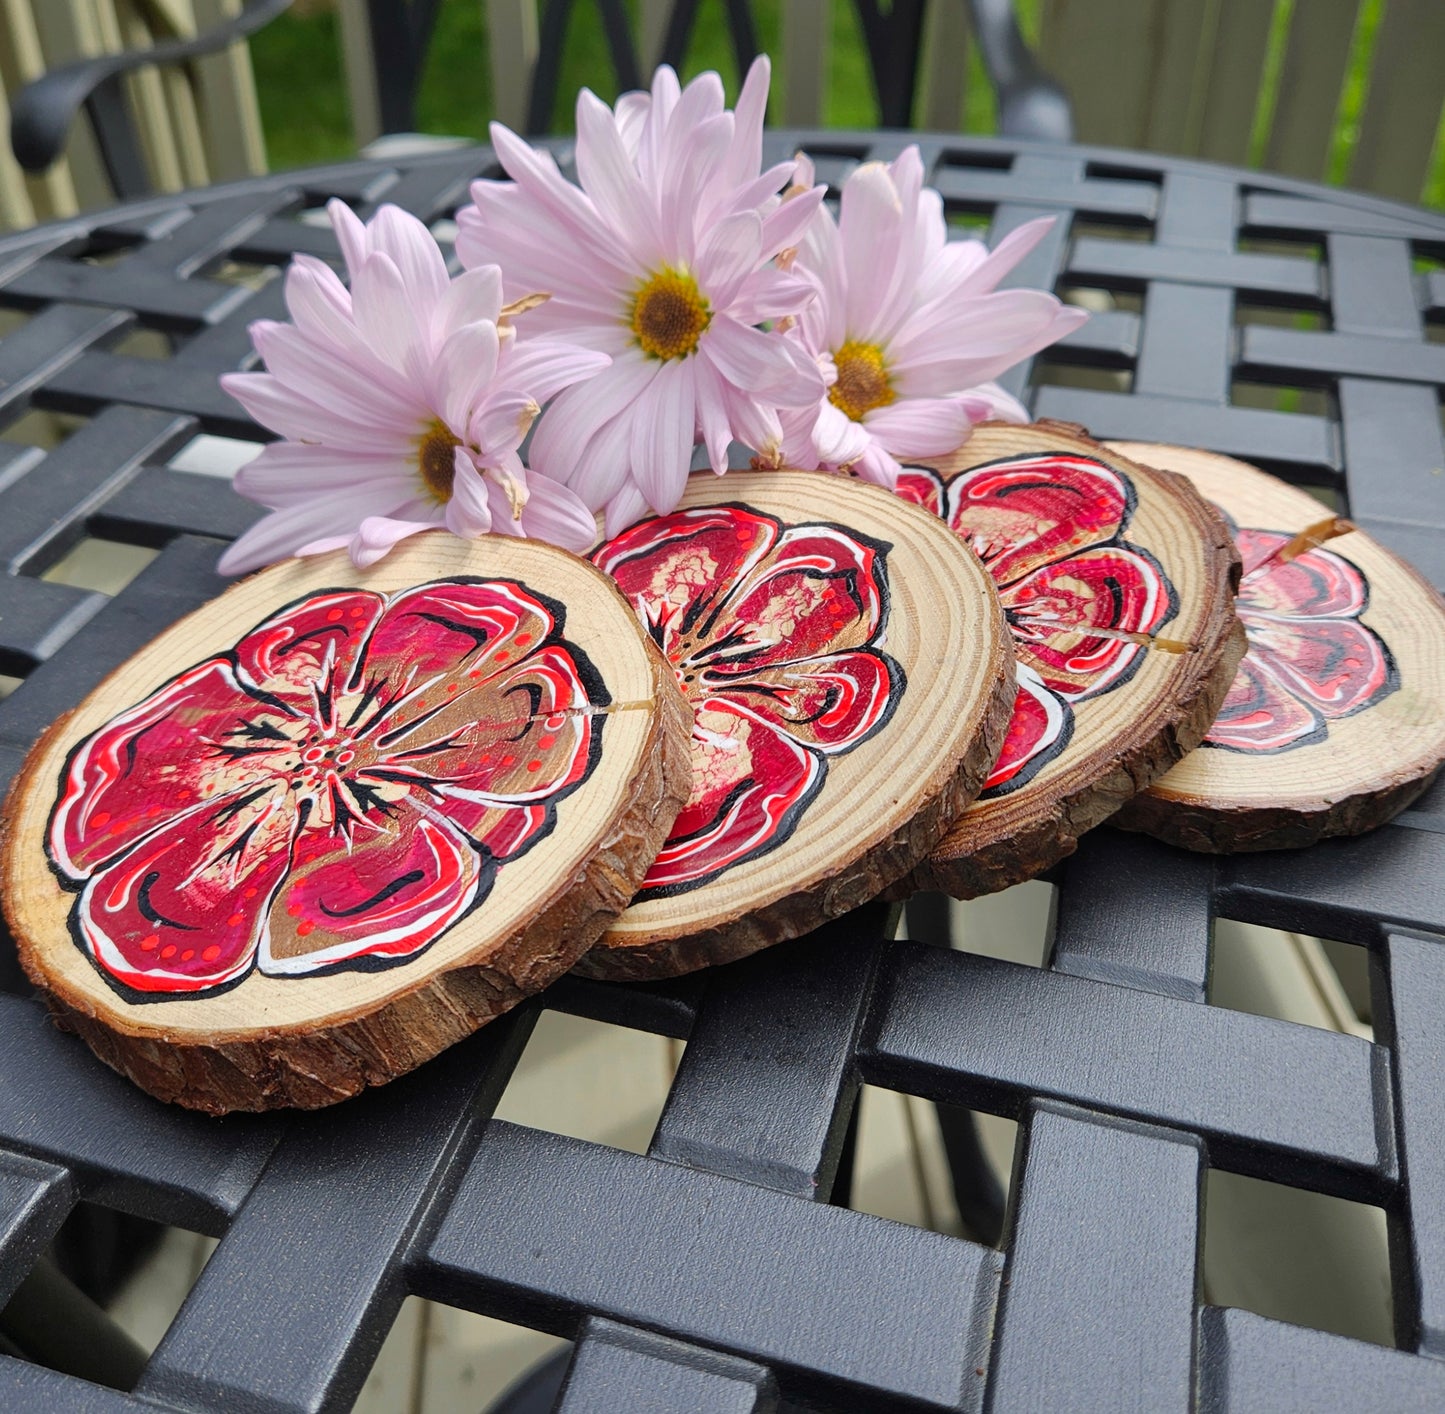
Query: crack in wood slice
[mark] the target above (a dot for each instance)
(1336, 721)
(1310, 538)
(571, 854)
(1118, 738)
(911, 601)
(1119, 635)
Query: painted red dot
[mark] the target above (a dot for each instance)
(169, 950)
(151, 943)
(744, 537)
(524, 639)
(333, 616)
(358, 612)
(188, 954)
(116, 828)
(546, 741)
(344, 758)
(235, 920)
(152, 811)
(248, 893)
(534, 765)
(420, 703)
(507, 760)
(451, 687)
(211, 953)
(499, 657)
(293, 909)
(304, 927)
(100, 819)
(183, 795)
(475, 673)
(555, 723)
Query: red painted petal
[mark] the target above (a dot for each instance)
(748, 783)
(1318, 582)
(436, 644)
(817, 593)
(183, 910)
(1111, 587)
(1337, 666)
(161, 758)
(923, 487)
(517, 739)
(392, 891)
(1037, 731)
(678, 567)
(1261, 715)
(448, 625)
(1024, 512)
(287, 655)
(829, 703)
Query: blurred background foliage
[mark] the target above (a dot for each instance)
(297, 61)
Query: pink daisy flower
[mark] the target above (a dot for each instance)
(662, 259)
(907, 326)
(402, 402)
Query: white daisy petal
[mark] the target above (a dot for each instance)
(558, 516)
(412, 248)
(499, 424)
(919, 427)
(285, 532)
(662, 435)
(575, 415)
(542, 367)
(377, 534)
(350, 233)
(603, 468)
(626, 508)
(839, 441)
(988, 400)
(467, 364)
(384, 310)
(712, 414)
(290, 473)
(469, 512)
(870, 224)
(609, 176)
(473, 296)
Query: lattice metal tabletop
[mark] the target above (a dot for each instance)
(707, 1275)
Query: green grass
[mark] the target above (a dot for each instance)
(303, 96)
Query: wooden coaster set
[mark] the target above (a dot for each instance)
(338, 819)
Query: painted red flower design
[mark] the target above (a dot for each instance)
(336, 790)
(1310, 660)
(772, 630)
(1049, 528)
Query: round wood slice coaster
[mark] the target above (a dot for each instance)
(1336, 719)
(851, 679)
(336, 820)
(1118, 583)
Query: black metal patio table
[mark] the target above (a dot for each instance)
(711, 1274)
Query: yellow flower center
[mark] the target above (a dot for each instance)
(434, 460)
(669, 314)
(862, 380)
